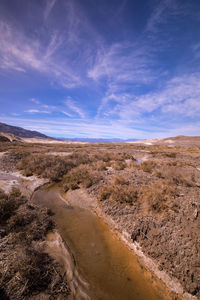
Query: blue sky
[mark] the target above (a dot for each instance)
(85, 68)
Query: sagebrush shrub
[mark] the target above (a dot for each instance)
(83, 175)
(119, 190)
(158, 195)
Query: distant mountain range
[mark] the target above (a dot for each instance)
(96, 140)
(21, 132)
(14, 133)
(24, 133)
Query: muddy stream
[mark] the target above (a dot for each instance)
(103, 265)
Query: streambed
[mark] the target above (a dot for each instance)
(112, 271)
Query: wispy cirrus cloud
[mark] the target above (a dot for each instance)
(49, 6)
(127, 68)
(34, 100)
(67, 114)
(20, 53)
(70, 103)
(41, 108)
(122, 63)
(162, 12)
(122, 68)
(37, 111)
(180, 98)
(196, 50)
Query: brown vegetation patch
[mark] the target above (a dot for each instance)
(119, 190)
(47, 166)
(119, 165)
(158, 195)
(178, 175)
(83, 175)
(111, 156)
(148, 166)
(24, 268)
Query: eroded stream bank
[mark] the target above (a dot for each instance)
(110, 268)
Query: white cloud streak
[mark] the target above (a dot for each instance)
(122, 63)
(162, 12)
(74, 107)
(20, 53)
(49, 6)
(67, 114)
(37, 111)
(34, 100)
(180, 98)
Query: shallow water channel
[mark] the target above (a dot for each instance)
(111, 269)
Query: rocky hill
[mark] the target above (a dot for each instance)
(9, 137)
(21, 132)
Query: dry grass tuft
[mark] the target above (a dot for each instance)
(147, 166)
(119, 165)
(82, 175)
(25, 270)
(118, 190)
(159, 196)
(99, 165)
(178, 175)
(111, 156)
(47, 166)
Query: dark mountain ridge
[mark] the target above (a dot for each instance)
(21, 132)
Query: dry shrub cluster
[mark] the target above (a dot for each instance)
(100, 165)
(81, 157)
(159, 195)
(171, 154)
(25, 270)
(8, 204)
(119, 165)
(47, 166)
(178, 175)
(119, 190)
(51, 166)
(83, 175)
(147, 166)
(111, 156)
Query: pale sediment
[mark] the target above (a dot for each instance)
(59, 250)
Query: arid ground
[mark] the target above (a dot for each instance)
(150, 192)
